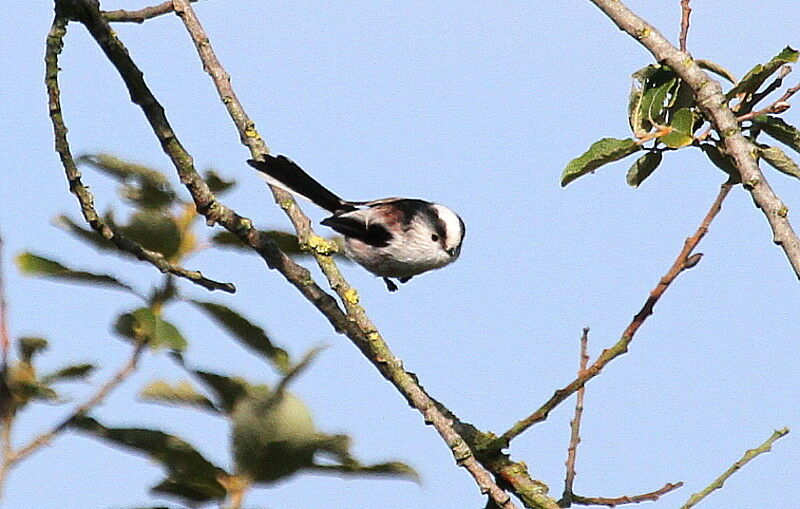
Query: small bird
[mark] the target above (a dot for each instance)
(392, 238)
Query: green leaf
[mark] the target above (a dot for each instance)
(178, 457)
(643, 168)
(339, 447)
(30, 346)
(248, 333)
(33, 265)
(758, 74)
(182, 393)
(391, 468)
(717, 69)
(143, 325)
(190, 490)
(74, 372)
(155, 231)
(722, 161)
(272, 437)
(229, 390)
(24, 391)
(87, 235)
(217, 184)
(148, 196)
(124, 171)
(653, 87)
(601, 152)
(682, 124)
(778, 159)
(780, 130)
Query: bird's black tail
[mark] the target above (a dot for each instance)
(284, 173)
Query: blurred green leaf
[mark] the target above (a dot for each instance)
(147, 196)
(390, 468)
(682, 124)
(643, 168)
(758, 74)
(778, 159)
(190, 490)
(229, 390)
(74, 372)
(717, 69)
(33, 265)
(248, 333)
(217, 184)
(32, 390)
(780, 130)
(124, 171)
(339, 447)
(88, 235)
(155, 231)
(272, 437)
(722, 161)
(181, 460)
(142, 325)
(601, 152)
(182, 393)
(30, 346)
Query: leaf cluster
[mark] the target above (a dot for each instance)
(272, 436)
(664, 116)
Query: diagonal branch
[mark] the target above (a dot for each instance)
(682, 262)
(712, 101)
(122, 373)
(368, 339)
(81, 192)
(749, 455)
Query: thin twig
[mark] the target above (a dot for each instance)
(621, 346)
(686, 11)
(633, 499)
(712, 101)
(81, 192)
(368, 339)
(749, 455)
(747, 104)
(4, 339)
(141, 15)
(297, 369)
(780, 105)
(575, 426)
(122, 373)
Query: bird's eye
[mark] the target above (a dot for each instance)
(435, 238)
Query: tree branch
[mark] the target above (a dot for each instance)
(633, 499)
(712, 101)
(575, 427)
(749, 455)
(141, 15)
(81, 192)
(367, 338)
(686, 11)
(681, 263)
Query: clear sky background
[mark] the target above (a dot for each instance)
(477, 105)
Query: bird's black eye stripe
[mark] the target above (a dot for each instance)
(435, 238)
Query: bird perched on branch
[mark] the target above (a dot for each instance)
(392, 237)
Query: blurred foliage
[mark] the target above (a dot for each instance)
(663, 113)
(273, 434)
(23, 382)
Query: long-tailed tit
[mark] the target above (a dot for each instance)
(392, 238)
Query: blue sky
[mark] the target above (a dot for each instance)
(478, 106)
